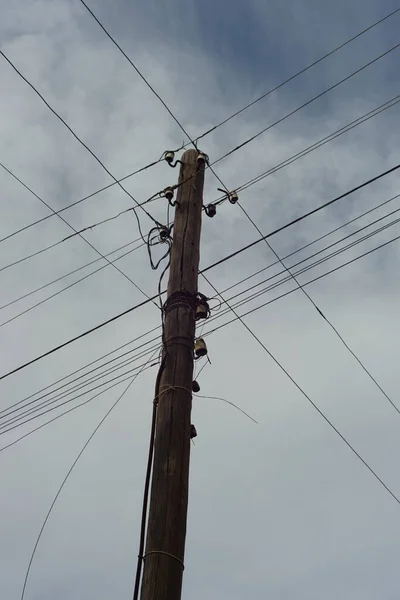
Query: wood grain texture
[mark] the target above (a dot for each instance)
(162, 574)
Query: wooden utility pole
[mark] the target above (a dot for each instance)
(166, 530)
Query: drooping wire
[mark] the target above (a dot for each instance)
(68, 475)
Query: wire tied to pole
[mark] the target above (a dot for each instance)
(165, 554)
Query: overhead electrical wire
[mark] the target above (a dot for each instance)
(318, 239)
(81, 268)
(316, 145)
(67, 238)
(302, 217)
(323, 275)
(298, 73)
(124, 54)
(323, 314)
(291, 78)
(365, 213)
(217, 263)
(305, 104)
(320, 260)
(247, 300)
(306, 396)
(61, 210)
(72, 386)
(132, 379)
(218, 316)
(389, 104)
(120, 378)
(87, 148)
(93, 362)
(81, 236)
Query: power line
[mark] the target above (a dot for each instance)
(323, 315)
(338, 268)
(318, 239)
(124, 54)
(222, 260)
(302, 217)
(301, 72)
(75, 233)
(222, 122)
(91, 363)
(301, 390)
(67, 477)
(103, 371)
(240, 304)
(125, 377)
(248, 299)
(81, 142)
(78, 337)
(317, 262)
(92, 262)
(315, 146)
(291, 113)
(56, 213)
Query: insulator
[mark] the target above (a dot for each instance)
(169, 156)
(210, 210)
(202, 310)
(169, 193)
(233, 197)
(195, 387)
(200, 348)
(164, 234)
(202, 157)
(193, 432)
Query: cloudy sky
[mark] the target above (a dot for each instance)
(282, 509)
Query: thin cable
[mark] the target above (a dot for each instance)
(78, 337)
(116, 378)
(56, 213)
(318, 239)
(249, 312)
(319, 311)
(302, 217)
(219, 262)
(315, 263)
(336, 253)
(67, 287)
(66, 479)
(51, 398)
(92, 363)
(227, 402)
(192, 141)
(92, 262)
(66, 412)
(292, 77)
(225, 325)
(315, 146)
(83, 238)
(306, 268)
(80, 141)
(308, 397)
(326, 91)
